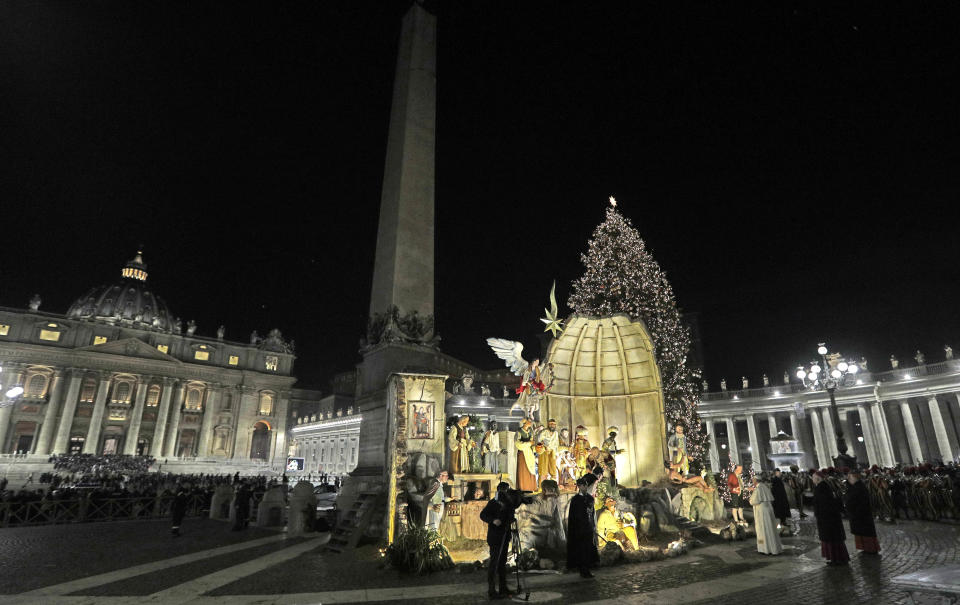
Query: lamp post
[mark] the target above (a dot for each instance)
(828, 377)
(12, 394)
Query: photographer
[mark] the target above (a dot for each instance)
(498, 514)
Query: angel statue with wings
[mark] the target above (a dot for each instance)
(536, 381)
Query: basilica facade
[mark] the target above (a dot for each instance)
(118, 374)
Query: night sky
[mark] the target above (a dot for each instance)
(792, 166)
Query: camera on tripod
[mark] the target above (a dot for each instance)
(515, 497)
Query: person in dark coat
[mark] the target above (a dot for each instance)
(582, 528)
(498, 514)
(861, 515)
(827, 508)
(178, 509)
(242, 505)
(781, 505)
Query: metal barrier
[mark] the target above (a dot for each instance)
(80, 510)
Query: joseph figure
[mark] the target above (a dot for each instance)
(458, 442)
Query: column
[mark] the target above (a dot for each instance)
(913, 440)
(96, 420)
(943, 441)
(50, 415)
(133, 432)
(756, 455)
(831, 433)
(882, 437)
(869, 436)
(772, 423)
(280, 439)
(714, 452)
(206, 427)
(62, 441)
(732, 441)
(850, 432)
(173, 433)
(156, 447)
(246, 414)
(8, 379)
(823, 458)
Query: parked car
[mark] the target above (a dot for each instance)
(326, 506)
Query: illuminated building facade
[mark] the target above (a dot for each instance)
(902, 416)
(118, 374)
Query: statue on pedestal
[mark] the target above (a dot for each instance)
(677, 445)
(526, 458)
(581, 449)
(490, 448)
(894, 363)
(947, 352)
(608, 451)
(550, 439)
(459, 444)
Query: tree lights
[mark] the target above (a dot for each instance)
(621, 276)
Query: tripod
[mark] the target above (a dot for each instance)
(517, 549)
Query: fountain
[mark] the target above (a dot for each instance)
(784, 451)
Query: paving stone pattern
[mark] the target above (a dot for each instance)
(33, 557)
(905, 547)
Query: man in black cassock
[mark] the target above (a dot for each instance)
(781, 505)
(861, 515)
(178, 510)
(827, 507)
(582, 528)
(498, 514)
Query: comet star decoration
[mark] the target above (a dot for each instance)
(622, 277)
(554, 325)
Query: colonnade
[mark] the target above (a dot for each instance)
(908, 429)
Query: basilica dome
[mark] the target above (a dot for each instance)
(127, 302)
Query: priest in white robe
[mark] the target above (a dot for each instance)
(765, 524)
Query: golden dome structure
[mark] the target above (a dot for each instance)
(605, 374)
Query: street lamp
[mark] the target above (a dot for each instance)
(11, 395)
(832, 374)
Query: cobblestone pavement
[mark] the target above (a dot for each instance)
(31, 557)
(120, 563)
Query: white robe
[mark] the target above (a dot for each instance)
(765, 524)
(433, 517)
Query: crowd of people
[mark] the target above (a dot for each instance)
(86, 482)
(85, 464)
(863, 496)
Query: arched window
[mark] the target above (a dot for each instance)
(266, 404)
(38, 382)
(121, 392)
(153, 395)
(193, 399)
(88, 391)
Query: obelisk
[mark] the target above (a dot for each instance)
(403, 273)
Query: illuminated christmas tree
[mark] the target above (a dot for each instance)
(622, 277)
